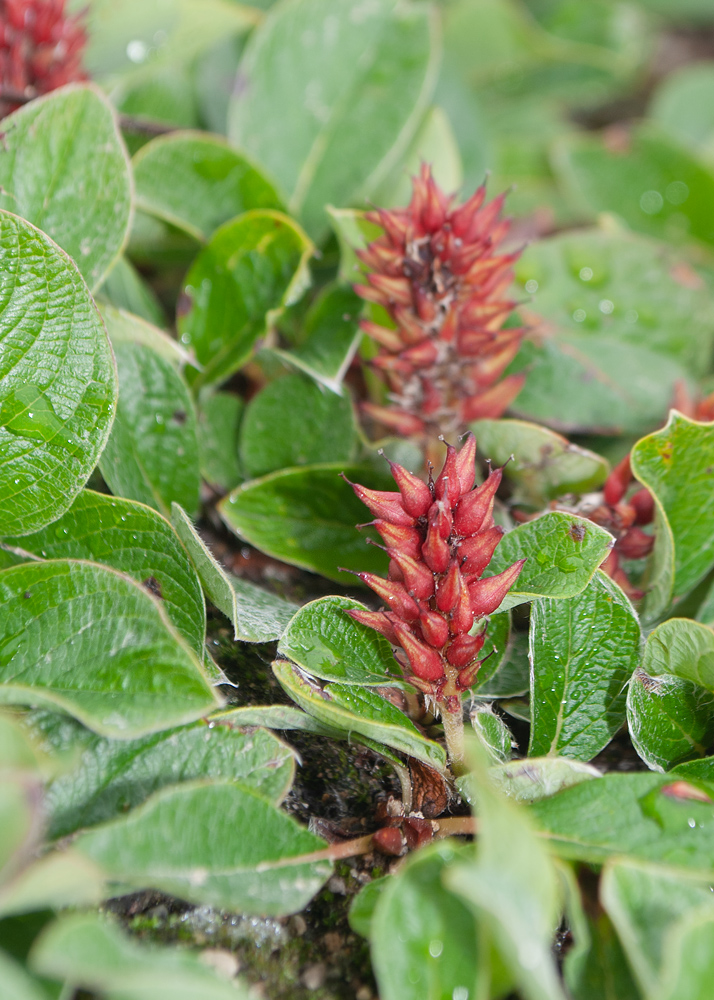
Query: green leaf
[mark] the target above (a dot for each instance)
(655, 185)
(57, 379)
(583, 652)
(630, 814)
(20, 821)
(493, 732)
(688, 958)
(682, 106)
(353, 232)
(331, 337)
(155, 425)
(536, 778)
(512, 887)
(133, 539)
(126, 328)
(89, 950)
(327, 643)
(249, 270)
(496, 648)
(303, 116)
(544, 465)
(362, 906)
(135, 40)
(59, 879)
(89, 641)
(124, 288)
(283, 717)
(17, 984)
(17, 751)
(562, 553)
(358, 710)
(603, 974)
(616, 288)
(644, 901)
(307, 517)
(64, 168)
(684, 648)
(219, 417)
(423, 938)
(197, 182)
(256, 614)
(677, 465)
(108, 777)
(670, 720)
(434, 143)
(292, 422)
(216, 843)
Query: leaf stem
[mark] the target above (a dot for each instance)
(454, 733)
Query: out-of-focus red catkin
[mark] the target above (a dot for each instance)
(623, 517)
(40, 49)
(440, 538)
(437, 273)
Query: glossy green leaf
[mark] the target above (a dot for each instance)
(331, 337)
(57, 380)
(59, 879)
(251, 267)
(293, 421)
(682, 105)
(358, 710)
(619, 288)
(684, 648)
(656, 185)
(562, 553)
(512, 886)
(87, 640)
(127, 328)
(534, 778)
(659, 575)
(644, 901)
(496, 648)
(362, 906)
(91, 951)
(133, 39)
(583, 652)
(424, 939)
(307, 517)
(17, 984)
(677, 465)
(108, 777)
(282, 717)
(197, 182)
(133, 539)
(544, 464)
(630, 814)
(64, 168)
(152, 453)
(303, 116)
(219, 417)
(669, 720)
(493, 732)
(257, 615)
(327, 643)
(216, 843)
(124, 288)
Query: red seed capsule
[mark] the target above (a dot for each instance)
(466, 465)
(449, 588)
(384, 504)
(425, 661)
(643, 502)
(475, 553)
(464, 649)
(392, 594)
(617, 482)
(416, 495)
(418, 578)
(434, 628)
(487, 595)
(447, 486)
(407, 540)
(476, 506)
(376, 620)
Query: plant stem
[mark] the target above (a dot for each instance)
(454, 733)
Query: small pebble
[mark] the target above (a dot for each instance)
(299, 925)
(221, 961)
(314, 976)
(337, 885)
(363, 993)
(333, 941)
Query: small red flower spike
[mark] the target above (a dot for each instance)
(40, 49)
(437, 273)
(436, 592)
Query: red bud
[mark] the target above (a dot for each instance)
(486, 595)
(643, 502)
(466, 464)
(425, 661)
(635, 544)
(416, 495)
(392, 594)
(467, 676)
(449, 588)
(418, 579)
(434, 628)
(493, 402)
(376, 620)
(475, 553)
(464, 649)
(473, 509)
(407, 540)
(383, 504)
(447, 486)
(389, 840)
(462, 616)
(617, 482)
(440, 517)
